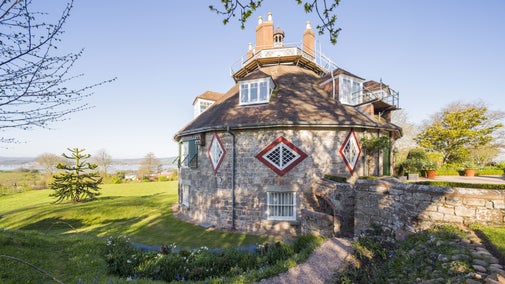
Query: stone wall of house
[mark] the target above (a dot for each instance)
(405, 208)
(210, 198)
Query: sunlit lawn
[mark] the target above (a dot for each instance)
(141, 211)
(496, 236)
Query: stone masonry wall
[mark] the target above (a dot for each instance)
(408, 207)
(210, 198)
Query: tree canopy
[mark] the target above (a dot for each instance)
(34, 89)
(458, 129)
(245, 8)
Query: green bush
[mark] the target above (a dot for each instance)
(122, 258)
(336, 178)
(490, 171)
(445, 171)
(202, 264)
(461, 184)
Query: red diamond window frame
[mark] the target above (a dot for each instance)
(351, 135)
(286, 142)
(215, 139)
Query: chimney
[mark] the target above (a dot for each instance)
(265, 33)
(309, 40)
(250, 51)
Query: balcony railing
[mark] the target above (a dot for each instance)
(386, 95)
(286, 51)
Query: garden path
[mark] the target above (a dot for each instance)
(321, 265)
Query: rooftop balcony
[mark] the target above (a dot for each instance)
(383, 98)
(288, 53)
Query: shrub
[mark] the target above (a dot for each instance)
(122, 258)
(490, 171)
(228, 265)
(336, 178)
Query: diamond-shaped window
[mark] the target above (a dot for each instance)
(281, 156)
(350, 151)
(216, 152)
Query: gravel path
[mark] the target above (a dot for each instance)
(319, 267)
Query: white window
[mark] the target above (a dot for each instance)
(201, 106)
(350, 91)
(256, 91)
(185, 195)
(281, 206)
(189, 154)
(350, 151)
(281, 156)
(216, 152)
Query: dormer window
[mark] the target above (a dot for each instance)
(256, 91)
(350, 91)
(201, 106)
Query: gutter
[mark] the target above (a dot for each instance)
(178, 135)
(232, 177)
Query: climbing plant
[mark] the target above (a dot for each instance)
(373, 146)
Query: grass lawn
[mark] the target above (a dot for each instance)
(142, 211)
(68, 240)
(494, 238)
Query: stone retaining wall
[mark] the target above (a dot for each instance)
(409, 207)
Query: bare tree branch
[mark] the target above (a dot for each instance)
(34, 81)
(323, 9)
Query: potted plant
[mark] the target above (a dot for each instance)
(469, 168)
(431, 169)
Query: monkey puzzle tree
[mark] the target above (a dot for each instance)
(79, 181)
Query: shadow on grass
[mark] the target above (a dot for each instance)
(145, 219)
(54, 225)
(490, 246)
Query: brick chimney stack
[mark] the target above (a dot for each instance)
(309, 40)
(265, 33)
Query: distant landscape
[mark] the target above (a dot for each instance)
(12, 163)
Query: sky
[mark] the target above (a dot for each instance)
(165, 53)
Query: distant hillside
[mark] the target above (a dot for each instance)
(11, 163)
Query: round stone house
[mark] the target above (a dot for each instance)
(251, 156)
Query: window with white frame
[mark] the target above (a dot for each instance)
(256, 91)
(189, 154)
(281, 206)
(350, 91)
(216, 152)
(281, 156)
(185, 195)
(201, 106)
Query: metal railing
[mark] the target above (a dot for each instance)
(386, 95)
(294, 49)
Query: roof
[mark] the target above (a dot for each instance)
(208, 95)
(340, 71)
(298, 100)
(374, 86)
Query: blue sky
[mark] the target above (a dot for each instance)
(164, 53)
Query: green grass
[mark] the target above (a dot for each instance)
(141, 211)
(68, 240)
(460, 184)
(494, 239)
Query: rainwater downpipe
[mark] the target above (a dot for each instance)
(333, 84)
(232, 177)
